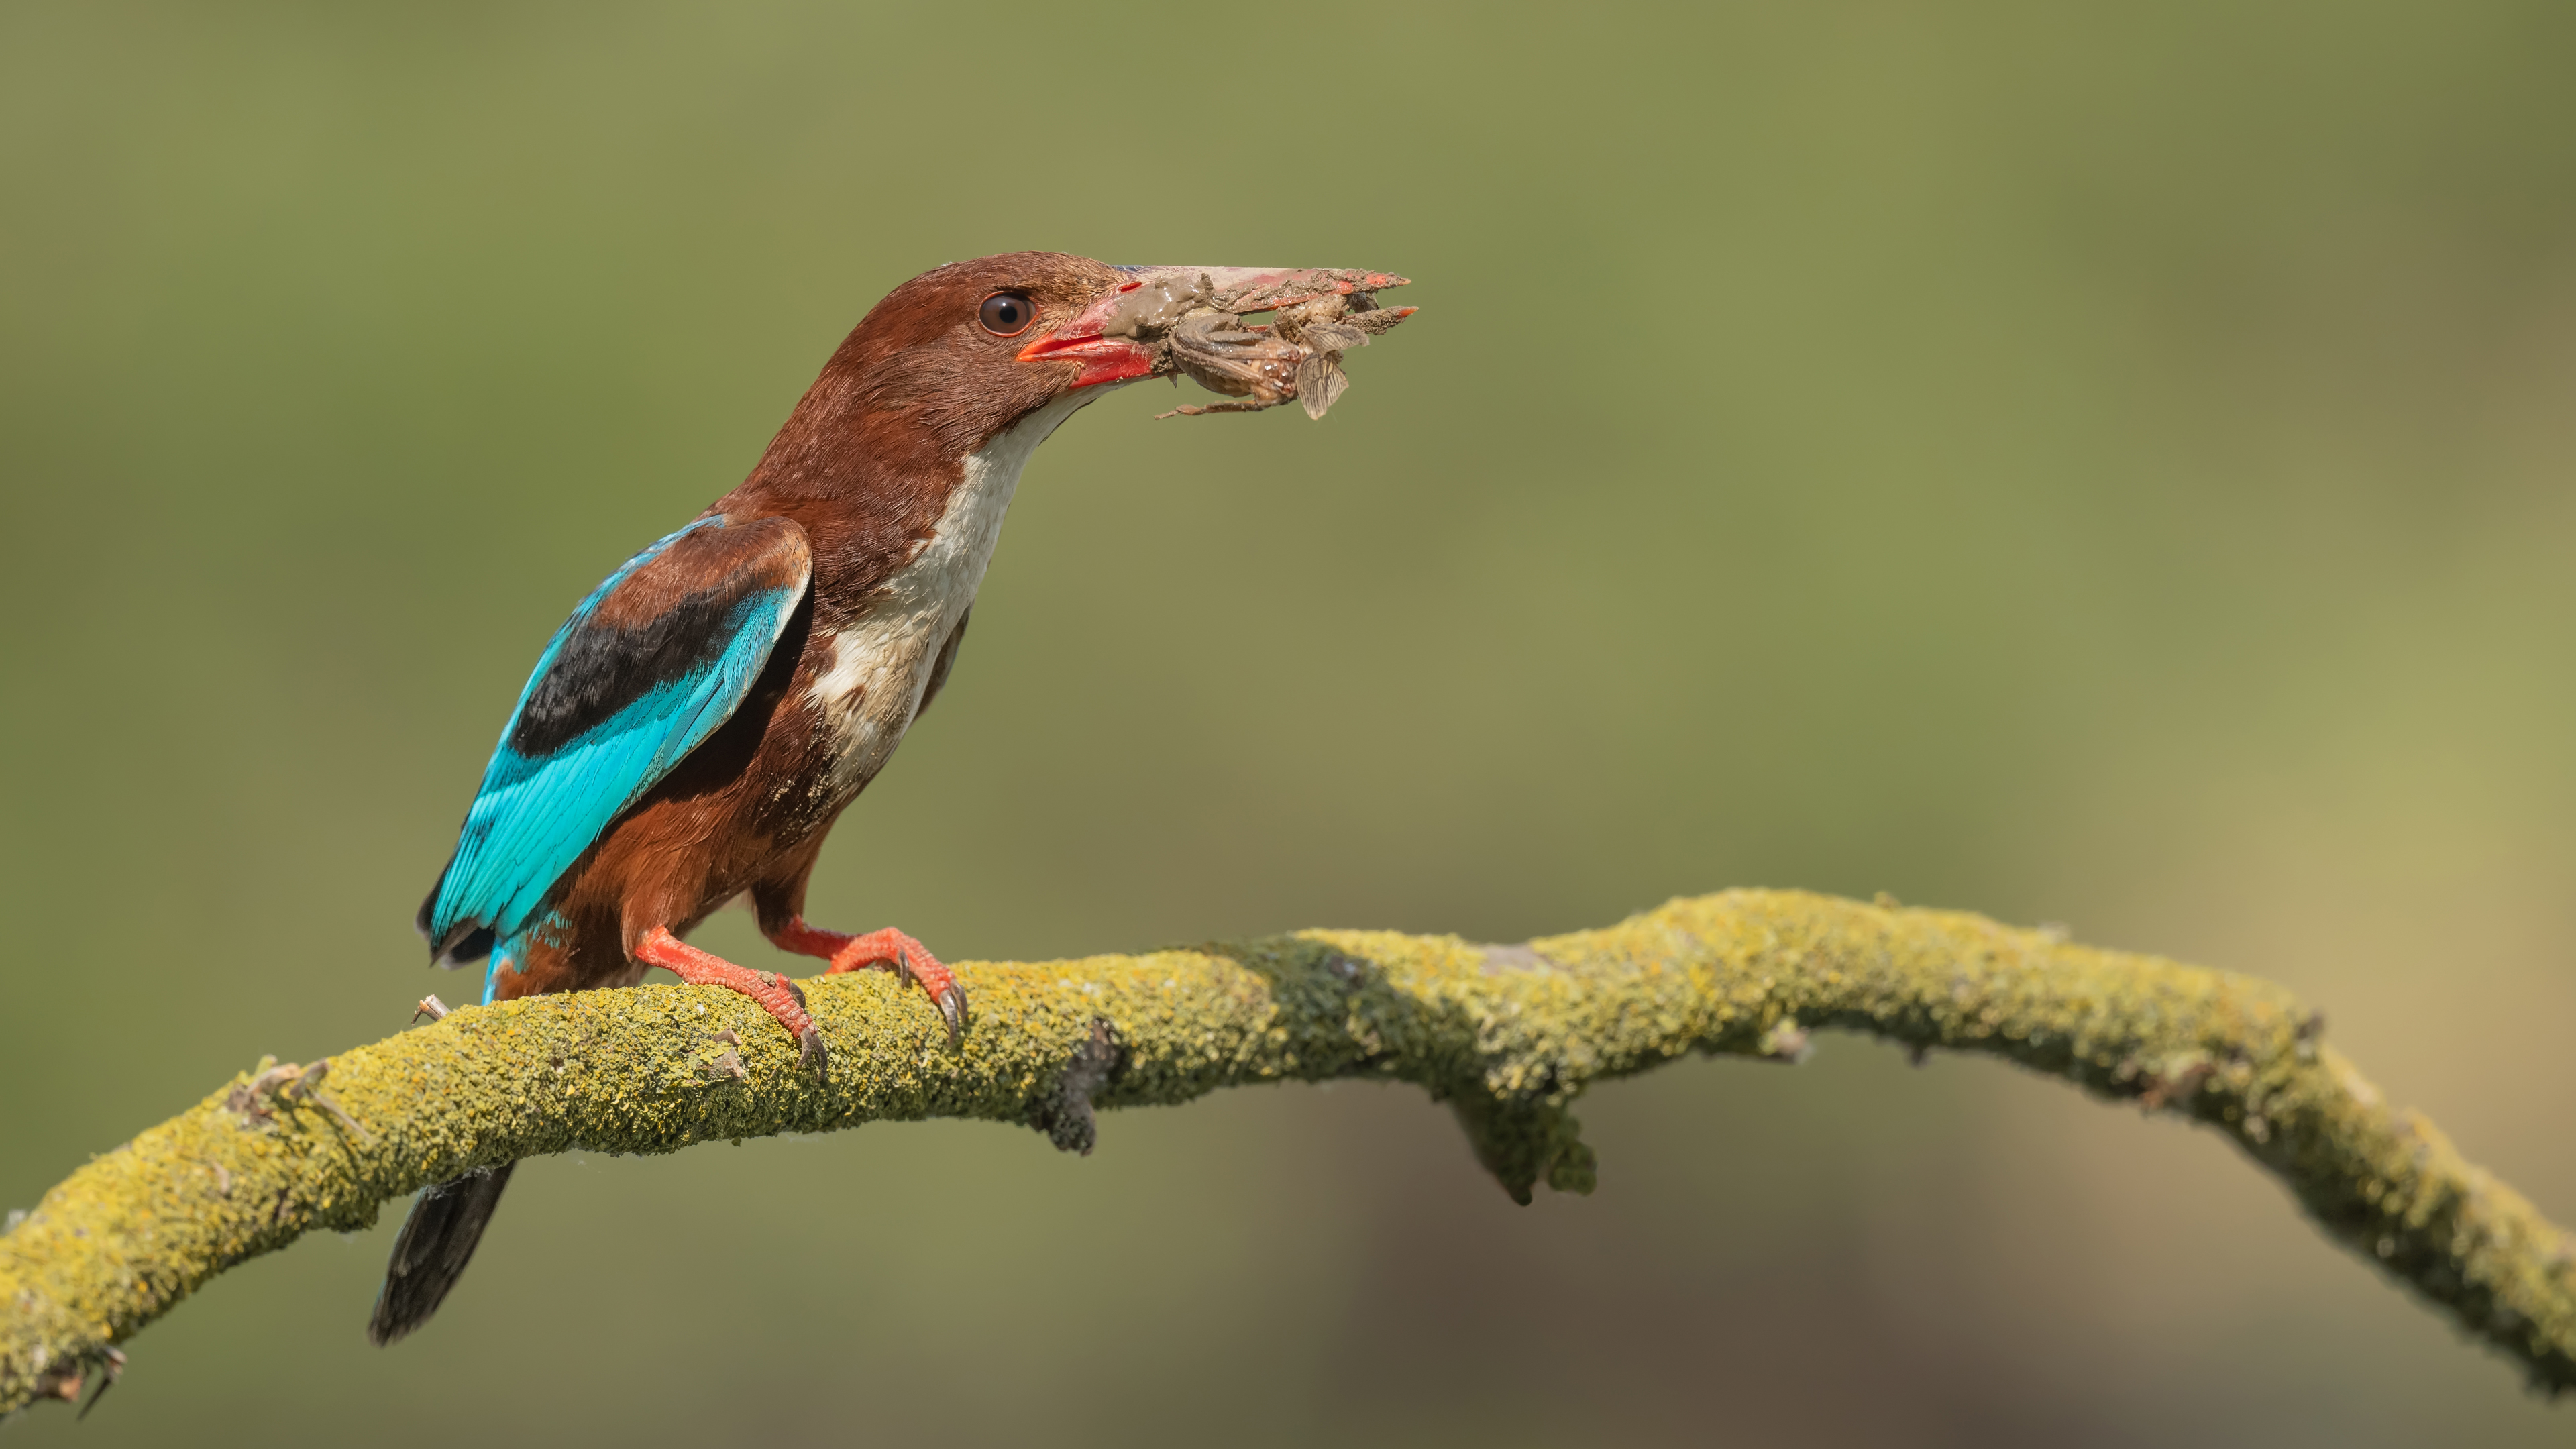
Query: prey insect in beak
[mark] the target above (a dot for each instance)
(1165, 320)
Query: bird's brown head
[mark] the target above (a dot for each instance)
(953, 358)
(974, 346)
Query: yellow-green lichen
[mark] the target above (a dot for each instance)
(1509, 1035)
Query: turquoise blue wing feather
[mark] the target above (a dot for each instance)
(648, 666)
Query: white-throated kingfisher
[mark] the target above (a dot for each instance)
(693, 730)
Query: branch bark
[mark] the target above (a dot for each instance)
(1509, 1035)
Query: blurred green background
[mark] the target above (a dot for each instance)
(2106, 465)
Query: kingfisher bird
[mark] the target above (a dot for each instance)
(690, 734)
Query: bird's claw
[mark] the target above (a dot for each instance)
(890, 950)
(949, 998)
(810, 1052)
(777, 993)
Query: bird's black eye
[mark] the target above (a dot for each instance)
(1007, 314)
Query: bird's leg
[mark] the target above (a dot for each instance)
(778, 994)
(888, 949)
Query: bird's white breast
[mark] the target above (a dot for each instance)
(881, 662)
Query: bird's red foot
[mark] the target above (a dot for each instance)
(888, 949)
(775, 992)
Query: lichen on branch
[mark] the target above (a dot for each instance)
(1509, 1035)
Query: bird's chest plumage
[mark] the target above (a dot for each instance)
(871, 670)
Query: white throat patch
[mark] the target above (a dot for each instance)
(881, 662)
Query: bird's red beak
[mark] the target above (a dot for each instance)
(1119, 337)
(1103, 359)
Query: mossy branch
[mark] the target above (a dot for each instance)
(1509, 1035)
